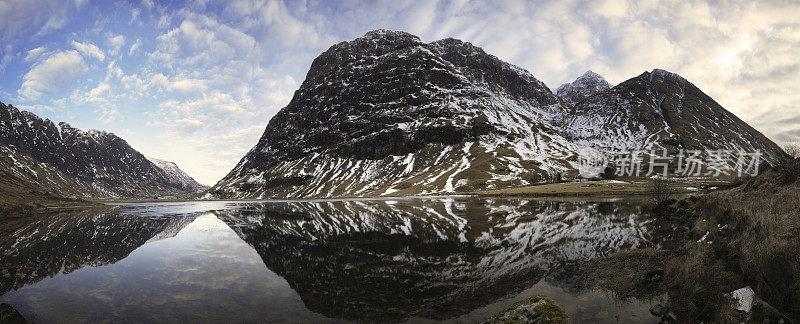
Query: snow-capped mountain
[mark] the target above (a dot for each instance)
(68, 162)
(584, 86)
(176, 175)
(661, 109)
(387, 114)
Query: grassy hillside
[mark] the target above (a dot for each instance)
(723, 241)
(18, 196)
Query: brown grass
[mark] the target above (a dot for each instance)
(590, 188)
(725, 240)
(752, 237)
(659, 189)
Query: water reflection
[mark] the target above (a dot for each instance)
(64, 242)
(364, 260)
(388, 261)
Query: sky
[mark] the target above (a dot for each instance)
(196, 82)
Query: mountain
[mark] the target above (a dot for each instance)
(584, 86)
(389, 114)
(63, 161)
(176, 175)
(661, 109)
(386, 114)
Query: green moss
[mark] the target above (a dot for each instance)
(538, 309)
(764, 313)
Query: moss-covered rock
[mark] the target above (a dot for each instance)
(764, 313)
(539, 309)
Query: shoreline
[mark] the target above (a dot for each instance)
(633, 188)
(636, 188)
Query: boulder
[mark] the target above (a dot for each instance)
(539, 309)
(742, 298)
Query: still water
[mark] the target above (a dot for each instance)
(446, 259)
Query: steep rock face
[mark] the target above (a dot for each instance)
(176, 175)
(64, 160)
(24, 183)
(661, 109)
(584, 86)
(389, 114)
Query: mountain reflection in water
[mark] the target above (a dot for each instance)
(362, 260)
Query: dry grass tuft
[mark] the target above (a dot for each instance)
(725, 240)
(752, 237)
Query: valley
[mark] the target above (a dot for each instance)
(412, 181)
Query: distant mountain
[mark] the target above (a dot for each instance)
(661, 109)
(67, 162)
(584, 86)
(387, 114)
(176, 175)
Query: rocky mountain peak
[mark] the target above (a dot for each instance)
(62, 159)
(659, 75)
(387, 95)
(387, 35)
(176, 175)
(371, 46)
(584, 86)
(377, 43)
(662, 109)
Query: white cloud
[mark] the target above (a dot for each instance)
(8, 55)
(135, 14)
(115, 42)
(188, 85)
(35, 53)
(19, 19)
(201, 41)
(100, 98)
(89, 49)
(112, 70)
(164, 22)
(135, 47)
(52, 73)
(22, 19)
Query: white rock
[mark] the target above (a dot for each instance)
(742, 298)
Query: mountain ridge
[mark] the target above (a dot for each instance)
(659, 108)
(403, 114)
(176, 175)
(386, 114)
(584, 86)
(72, 163)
